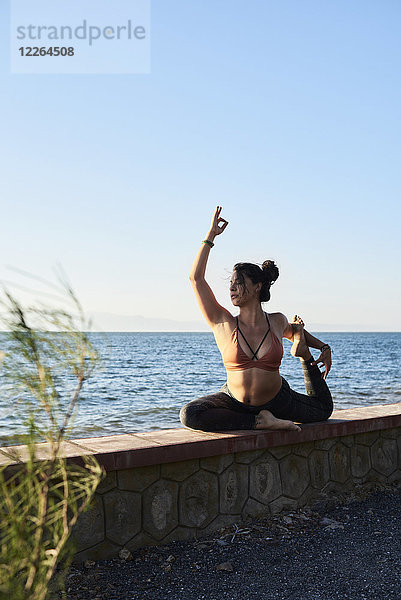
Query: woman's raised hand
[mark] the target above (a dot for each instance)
(218, 224)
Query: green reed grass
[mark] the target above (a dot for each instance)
(45, 362)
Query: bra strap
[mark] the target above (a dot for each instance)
(246, 341)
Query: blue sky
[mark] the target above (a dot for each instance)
(285, 113)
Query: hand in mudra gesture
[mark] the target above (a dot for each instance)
(218, 223)
(324, 360)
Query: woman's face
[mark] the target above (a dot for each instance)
(242, 292)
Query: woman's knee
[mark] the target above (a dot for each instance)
(201, 414)
(325, 411)
(326, 404)
(185, 415)
(329, 406)
(190, 416)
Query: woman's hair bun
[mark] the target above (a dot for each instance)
(270, 270)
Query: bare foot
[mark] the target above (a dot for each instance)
(299, 346)
(298, 320)
(266, 420)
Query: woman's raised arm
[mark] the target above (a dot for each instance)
(212, 311)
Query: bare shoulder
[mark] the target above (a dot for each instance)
(279, 323)
(278, 319)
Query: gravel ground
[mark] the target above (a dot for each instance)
(346, 550)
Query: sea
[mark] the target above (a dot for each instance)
(145, 378)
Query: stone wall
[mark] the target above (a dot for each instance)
(181, 500)
(179, 484)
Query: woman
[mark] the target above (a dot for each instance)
(255, 395)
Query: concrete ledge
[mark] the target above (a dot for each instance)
(170, 445)
(179, 484)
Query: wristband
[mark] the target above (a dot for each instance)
(208, 242)
(325, 347)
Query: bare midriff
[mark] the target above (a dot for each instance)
(254, 386)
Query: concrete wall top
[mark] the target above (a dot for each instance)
(171, 445)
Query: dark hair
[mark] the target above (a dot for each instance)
(267, 275)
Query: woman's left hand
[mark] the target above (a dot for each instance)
(324, 359)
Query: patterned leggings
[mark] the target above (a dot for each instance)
(222, 412)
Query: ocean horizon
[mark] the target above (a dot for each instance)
(146, 377)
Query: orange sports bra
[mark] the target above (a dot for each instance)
(235, 359)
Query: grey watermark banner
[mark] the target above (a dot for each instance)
(80, 36)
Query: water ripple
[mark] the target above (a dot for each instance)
(147, 377)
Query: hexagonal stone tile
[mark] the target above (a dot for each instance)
(280, 451)
(375, 477)
(199, 501)
(303, 449)
(108, 483)
(319, 468)
(101, 551)
(138, 479)
(347, 440)
(360, 461)
(178, 471)
(248, 456)
(179, 533)
(336, 489)
(384, 455)
(89, 529)
(308, 496)
(140, 540)
(339, 463)
(393, 433)
(294, 475)
(216, 464)
(325, 444)
(123, 515)
(264, 476)
(220, 522)
(255, 509)
(160, 508)
(282, 504)
(233, 489)
(367, 438)
(395, 478)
